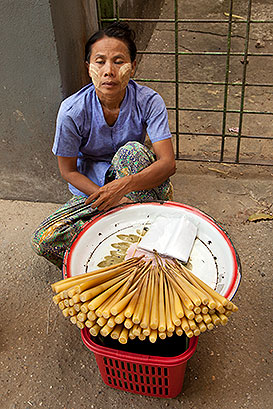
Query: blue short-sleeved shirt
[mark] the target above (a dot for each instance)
(81, 129)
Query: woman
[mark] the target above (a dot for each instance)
(99, 142)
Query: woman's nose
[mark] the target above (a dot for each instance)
(108, 69)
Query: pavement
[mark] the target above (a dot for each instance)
(44, 363)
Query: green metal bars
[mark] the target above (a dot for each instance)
(231, 138)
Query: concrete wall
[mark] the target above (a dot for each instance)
(35, 77)
(42, 62)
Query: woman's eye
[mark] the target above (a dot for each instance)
(99, 62)
(118, 62)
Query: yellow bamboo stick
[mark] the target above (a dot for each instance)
(111, 322)
(162, 335)
(76, 298)
(141, 337)
(137, 316)
(191, 291)
(179, 310)
(123, 338)
(215, 319)
(80, 324)
(219, 306)
(196, 332)
(91, 316)
(66, 302)
(116, 331)
(120, 317)
(187, 302)
(100, 309)
(57, 298)
(179, 331)
(206, 318)
(211, 304)
(73, 319)
(128, 323)
(188, 313)
(130, 309)
(210, 326)
(234, 308)
(204, 310)
(89, 324)
(192, 324)
(81, 316)
(105, 330)
(95, 330)
(224, 301)
(146, 331)
(72, 291)
(136, 330)
(101, 321)
(61, 305)
(155, 303)
(70, 282)
(66, 312)
(145, 321)
(189, 333)
(97, 301)
(169, 324)
(198, 318)
(175, 319)
(131, 335)
(197, 310)
(153, 336)
(185, 324)
(202, 326)
(72, 311)
(162, 317)
(120, 305)
(228, 313)
(223, 318)
(115, 304)
(84, 307)
(71, 302)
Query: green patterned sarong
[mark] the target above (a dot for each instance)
(55, 233)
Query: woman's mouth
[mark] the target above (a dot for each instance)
(109, 84)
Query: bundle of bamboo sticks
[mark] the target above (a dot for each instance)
(140, 299)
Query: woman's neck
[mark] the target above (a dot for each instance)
(111, 102)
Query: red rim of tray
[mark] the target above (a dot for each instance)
(234, 284)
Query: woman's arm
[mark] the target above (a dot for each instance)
(112, 193)
(69, 172)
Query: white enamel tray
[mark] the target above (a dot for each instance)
(213, 258)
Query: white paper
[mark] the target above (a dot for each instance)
(172, 237)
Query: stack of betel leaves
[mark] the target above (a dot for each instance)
(142, 299)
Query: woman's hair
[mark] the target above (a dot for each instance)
(118, 30)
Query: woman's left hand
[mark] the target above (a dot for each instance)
(111, 194)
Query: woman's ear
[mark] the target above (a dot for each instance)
(87, 64)
(133, 69)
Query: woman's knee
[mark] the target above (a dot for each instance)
(36, 244)
(132, 158)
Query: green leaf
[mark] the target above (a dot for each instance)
(260, 216)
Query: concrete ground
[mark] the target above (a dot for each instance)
(44, 363)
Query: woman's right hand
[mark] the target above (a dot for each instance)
(111, 194)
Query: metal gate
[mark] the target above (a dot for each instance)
(214, 69)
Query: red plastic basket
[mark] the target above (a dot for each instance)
(143, 374)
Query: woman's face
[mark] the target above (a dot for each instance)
(110, 67)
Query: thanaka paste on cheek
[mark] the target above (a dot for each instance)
(125, 74)
(93, 72)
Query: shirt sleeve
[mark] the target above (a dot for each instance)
(157, 119)
(68, 138)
